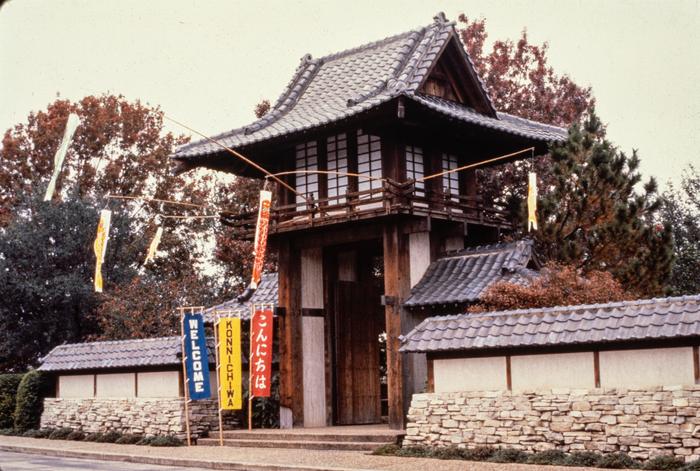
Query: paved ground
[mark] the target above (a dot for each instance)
(23, 461)
(245, 458)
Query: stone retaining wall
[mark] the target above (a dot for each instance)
(643, 423)
(162, 416)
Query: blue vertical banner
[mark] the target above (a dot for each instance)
(196, 356)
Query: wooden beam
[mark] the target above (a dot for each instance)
(509, 376)
(290, 346)
(397, 286)
(596, 368)
(696, 364)
(431, 376)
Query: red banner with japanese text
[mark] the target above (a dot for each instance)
(260, 243)
(261, 352)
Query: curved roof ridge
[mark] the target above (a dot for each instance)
(578, 307)
(553, 127)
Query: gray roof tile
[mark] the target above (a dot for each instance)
(659, 318)
(344, 84)
(265, 294)
(161, 351)
(463, 276)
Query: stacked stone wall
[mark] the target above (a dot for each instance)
(162, 416)
(641, 422)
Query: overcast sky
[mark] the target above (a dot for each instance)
(208, 63)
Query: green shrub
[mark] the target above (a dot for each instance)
(8, 399)
(32, 389)
(129, 439)
(480, 453)
(166, 440)
(76, 436)
(664, 462)
(692, 466)
(447, 453)
(93, 437)
(60, 433)
(508, 455)
(109, 437)
(414, 452)
(34, 433)
(582, 458)
(617, 461)
(145, 441)
(389, 449)
(556, 457)
(7, 431)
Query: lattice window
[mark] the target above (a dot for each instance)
(306, 159)
(369, 161)
(415, 167)
(337, 154)
(450, 181)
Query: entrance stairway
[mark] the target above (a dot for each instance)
(356, 438)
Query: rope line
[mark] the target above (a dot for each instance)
(239, 155)
(157, 200)
(477, 164)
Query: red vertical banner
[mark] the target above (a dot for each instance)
(261, 352)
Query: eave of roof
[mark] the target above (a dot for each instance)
(639, 320)
(345, 84)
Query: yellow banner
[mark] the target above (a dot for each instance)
(153, 248)
(532, 202)
(100, 246)
(230, 376)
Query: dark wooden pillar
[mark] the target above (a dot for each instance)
(291, 372)
(396, 290)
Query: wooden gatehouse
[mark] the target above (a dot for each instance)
(352, 247)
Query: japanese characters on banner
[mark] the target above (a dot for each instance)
(196, 357)
(100, 246)
(230, 376)
(261, 352)
(261, 237)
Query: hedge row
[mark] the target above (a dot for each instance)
(550, 457)
(22, 400)
(107, 437)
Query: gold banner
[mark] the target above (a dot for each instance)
(532, 202)
(261, 237)
(230, 376)
(100, 246)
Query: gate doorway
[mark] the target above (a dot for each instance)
(357, 327)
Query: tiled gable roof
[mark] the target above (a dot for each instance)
(265, 294)
(344, 84)
(463, 276)
(161, 351)
(662, 318)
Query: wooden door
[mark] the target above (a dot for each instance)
(358, 317)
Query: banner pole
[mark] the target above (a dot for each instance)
(184, 375)
(250, 368)
(218, 378)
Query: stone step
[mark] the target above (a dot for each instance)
(295, 444)
(309, 437)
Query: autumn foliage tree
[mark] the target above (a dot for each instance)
(520, 81)
(120, 148)
(557, 285)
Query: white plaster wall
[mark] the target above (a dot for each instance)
(76, 386)
(454, 243)
(116, 385)
(314, 371)
(419, 255)
(312, 278)
(648, 367)
(559, 370)
(159, 384)
(469, 374)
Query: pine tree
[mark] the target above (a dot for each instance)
(593, 216)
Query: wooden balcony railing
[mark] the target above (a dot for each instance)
(391, 198)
